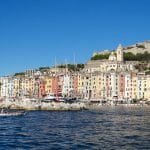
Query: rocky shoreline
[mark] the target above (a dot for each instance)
(59, 106)
(41, 105)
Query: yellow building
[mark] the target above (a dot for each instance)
(17, 87)
(26, 86)
(48, 84)
(134, 85)
(96, 85)
(81, 84)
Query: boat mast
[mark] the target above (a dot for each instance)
(55, 78)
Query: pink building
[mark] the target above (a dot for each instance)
(57, 83)
(75, 85)
(41, 89)
(121, 85)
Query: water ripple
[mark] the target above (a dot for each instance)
(107, 128)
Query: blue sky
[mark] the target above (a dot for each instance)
(34, 32)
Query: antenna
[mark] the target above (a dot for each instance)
(74, 60)
(55, 65)
(66, 66)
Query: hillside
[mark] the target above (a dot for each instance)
(138, 48)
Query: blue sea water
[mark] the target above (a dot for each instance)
(107, 128)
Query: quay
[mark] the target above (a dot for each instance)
(40, 104)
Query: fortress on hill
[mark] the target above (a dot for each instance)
(115, 62)
(135, 48)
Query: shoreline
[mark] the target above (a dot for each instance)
(61, 106)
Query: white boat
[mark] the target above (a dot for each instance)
(6, 113)
(52, 97)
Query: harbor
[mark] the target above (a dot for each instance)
(39, 104)
(64, 105)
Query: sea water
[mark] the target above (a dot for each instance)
(106, 128)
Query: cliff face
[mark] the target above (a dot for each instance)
(138, 48)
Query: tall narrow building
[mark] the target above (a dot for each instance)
(120, 53)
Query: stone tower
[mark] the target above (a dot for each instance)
(119, 53)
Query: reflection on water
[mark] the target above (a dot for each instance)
(107, 128)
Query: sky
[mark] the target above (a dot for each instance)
(33, 33)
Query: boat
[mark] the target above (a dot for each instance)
(52, 97)
(7, 113)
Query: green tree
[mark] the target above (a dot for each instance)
(129, 56)
(100, 56)
(43, 68)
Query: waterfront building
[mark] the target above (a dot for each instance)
(27, 87)
(84, 85)
(57, 84)
(109, 86)
(134, 85)
(96, 84)
(80, 88)
(141, 85)
(112, 88)
(93, 86)
(69, 83)
(7, 87)
(128, 86)
(42, 92)
(75, 84)
(17, 87)
(147, 92)
(48, 81)
(121, 78)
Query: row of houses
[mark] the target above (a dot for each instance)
(38, 85)
(111, 78)
(95, 85)
(115, 85)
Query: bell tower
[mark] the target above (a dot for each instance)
(119, 52)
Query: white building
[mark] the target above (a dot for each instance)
(128, 86)
(68, 85)
(147, 92)
(7, 86)
(141, 86)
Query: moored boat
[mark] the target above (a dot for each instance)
(7, 113)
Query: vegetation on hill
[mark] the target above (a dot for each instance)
(19, 74)
(43, 68)
(137, 57)
(100, 56)
(128, 56)
(72, 67)
(140, 46)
